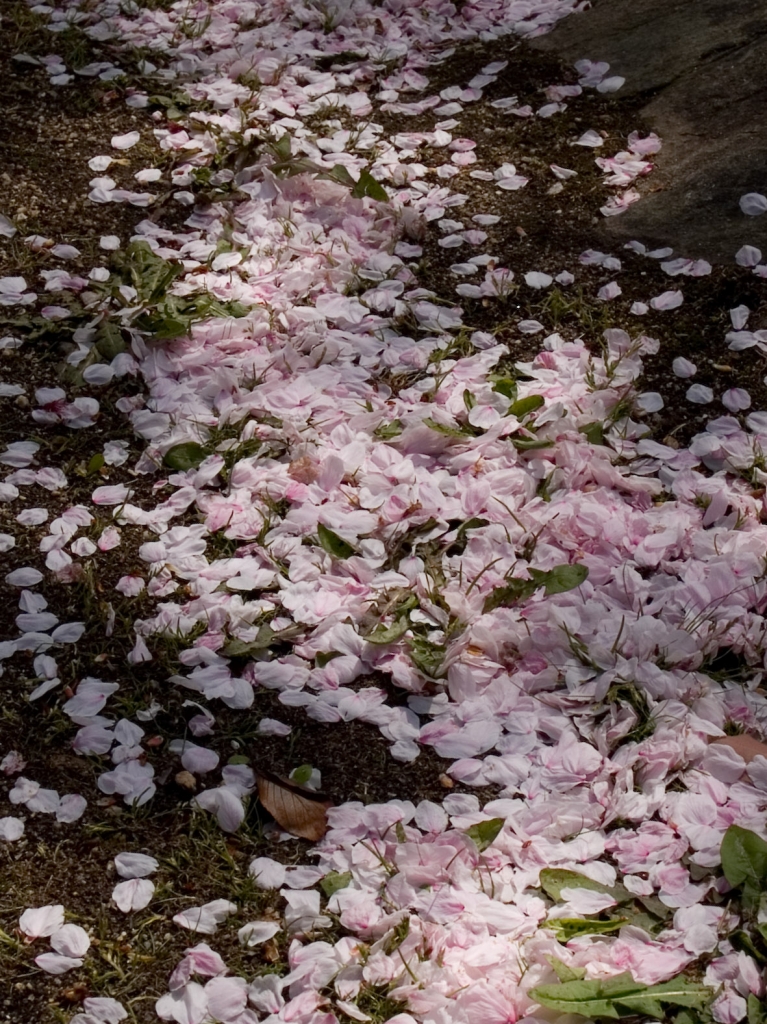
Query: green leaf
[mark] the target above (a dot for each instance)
(507, 387)
(485, 832)
(554, 880)
(368, 186)
(744, 856)
(109, 340)
(334, 881)
(281, 147)
(509, 593)
(388, 634)
(561, 578)
(528, 444)
(399, 831)
(170, 327)
(239, 759)
(340, 174)
(757, 1013)
(565, 973)
(566, 928)
(244, 648)
(443, 428)
(621, 996)
(426, 656)
(95, 463)
(323, 658)
(332, 543)
(594, 433)
(184, 456)
(525, 405)
(459, 543)
(469, 400)
(302, 774)
(743, 942)
(389, 430)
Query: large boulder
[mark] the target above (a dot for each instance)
(701, 66)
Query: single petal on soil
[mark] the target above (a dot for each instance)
(667, 300)
(39, 922)
(135, 865)
(700, 394)
(748, 256)
(55, 963)
(649, 401)
(126, 141)
(134, 894)
(256, 932)
(11, 829)
(105, 1009)
(71, 940)
(736, 399)
(537, 279)
(25, 577)
(753, 204)
(207, 918)
(268, 873)
(71, 807)
(683, 367)
(225, 804)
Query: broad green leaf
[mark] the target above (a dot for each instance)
(389, 430)
(239, 759)
(460, 538)
(554, 880)
(594, 433)
(528, 444)
(565, 973)
(743, 942)
(332, 543)
(507, 387)
(368, 186)
(323, 658)
(561, 578)
(442, 428)
(654, 906)
(388, 634)
(621, 996)
(302, 774)
(244, 648)
(685, 1017)
(95, 463)
(334, 881)
(485, 832)
(281, 147)
(340, 174)
(514, 590)
(171, 327)
(566, 928)
(426, 656)
(757, 1013)
(744, 856)
(109, 340)
(184, 456)
(526, 405)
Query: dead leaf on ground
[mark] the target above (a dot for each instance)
(299, 811)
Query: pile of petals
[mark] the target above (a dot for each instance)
(404, 497)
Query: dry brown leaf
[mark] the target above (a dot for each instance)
(299, 811)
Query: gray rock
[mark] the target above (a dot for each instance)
(701, 67)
